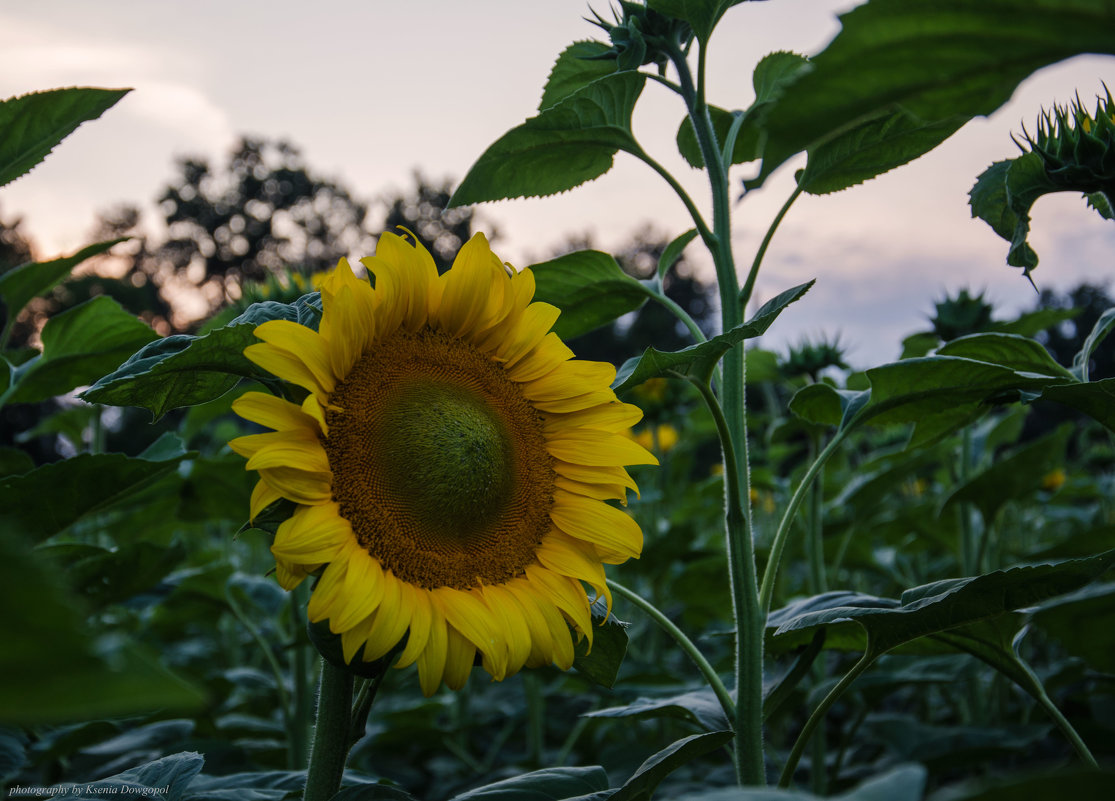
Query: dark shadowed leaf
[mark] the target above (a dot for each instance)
(1095, 399)
(641, 785)
(34, 123)
(902, 783)
(1084, 624)
(564, 146)
(702, 15)
(698, 706)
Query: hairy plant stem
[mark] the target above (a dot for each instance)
(732, 428)
(331, 734)
(683, 642)
(298, 750)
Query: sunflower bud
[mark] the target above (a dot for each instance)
(1076, 148)
(641, 35)
(961, 315)
(810, 358)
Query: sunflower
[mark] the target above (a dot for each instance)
(451, 463)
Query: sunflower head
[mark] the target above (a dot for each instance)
(454, 469)
(1077, 149)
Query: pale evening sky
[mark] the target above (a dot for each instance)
(372, 90)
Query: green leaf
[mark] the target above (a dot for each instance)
(79, 346)
(698, 361)
(1030, 323)
(673, 252)
(68, 491)
(365, 792)
(1014, 476)
(548, 784)
(104, 577)
(971, 55)
(14, 461)
(1099, 332)
(565, 146)
(247, 786)
(609, 645)
(1008, 350)
(1082, 782)
(589, 287)
(948, 604)
(641, 785)
(34, 123)
(745, 148)
(50, 659)
(185, 370)
(1095, 399)
(936, 393)
(578, 65)
(870, 149)
(702, 15)
(20, 284)
(699, 706)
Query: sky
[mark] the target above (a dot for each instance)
(371, 91)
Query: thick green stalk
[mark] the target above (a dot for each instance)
(732, 426)
(683, 642)
(331, 734)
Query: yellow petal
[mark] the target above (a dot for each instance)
(597, 522)
(363, 589)
(299, 449)
(588, 474)
(573, 558)
(470, 615)
(272, 412)
(511, 622)
(472, 289)
(541, 643)
(304, 344)
(417, 600)
(263, 495)
(313, 535)
(564, 593)
(390, 621)
(460, 654)
(432, 659)
(560, 650)
(526, 332)
(597, 449)
(576, 402)
(545, 357)
(601, 492)
(570, 379)
(300, 486)
(326, 593)
(614, 417)
(286, 366)
(289, 575)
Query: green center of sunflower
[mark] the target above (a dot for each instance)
(446, 451)
(439, 463)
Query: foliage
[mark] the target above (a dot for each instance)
(877, 584)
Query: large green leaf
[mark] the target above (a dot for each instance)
(589, 287)
(1019, 353)
(31, 125)
(1002, 197)
(548, 784)
(564, 146)
(1095, 399)
(936, 393)
(170, 777)
(699, 361)
(79, 346)
(970, 55)
(1104, 326)
(51, 498)
(641, 785)
(578, 65)
(20, 284)
(184, 370)
(1084, 624)
(952, 603)
(872, 148)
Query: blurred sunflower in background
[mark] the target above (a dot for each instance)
(452, 465)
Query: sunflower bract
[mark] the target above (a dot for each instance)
(452, 465)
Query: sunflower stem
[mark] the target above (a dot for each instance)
(731, 418)
(710, 675)
(331, 734)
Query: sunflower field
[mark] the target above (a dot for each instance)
(379, 533)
